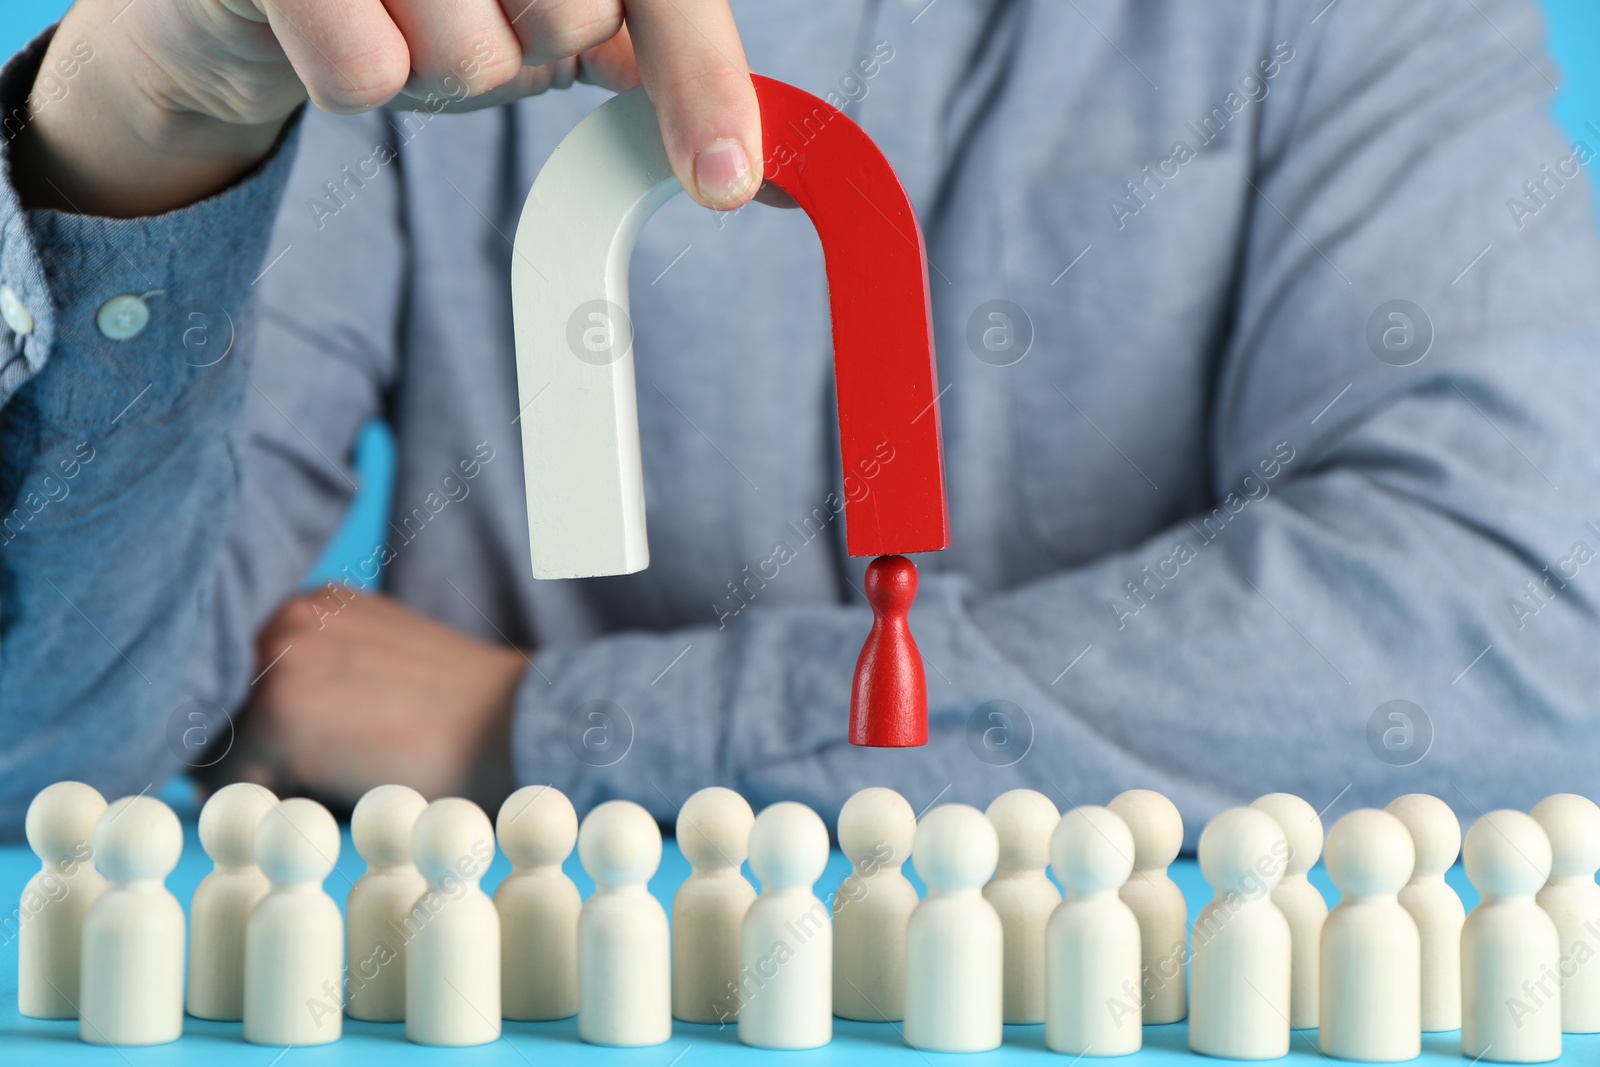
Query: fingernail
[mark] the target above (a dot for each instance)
(722, 171)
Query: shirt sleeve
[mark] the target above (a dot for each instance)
(1394, 589)
(124, 366)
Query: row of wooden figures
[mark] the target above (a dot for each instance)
(993, 941)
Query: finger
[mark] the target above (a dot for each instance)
(293, 616)
(693, 66)
(611, 65)
(560, 29)
(457, 49)
(351, 56)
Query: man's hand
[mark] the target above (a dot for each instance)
(361, 690)
(181, 97)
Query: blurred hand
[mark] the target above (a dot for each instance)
(363, 690)
(181, 97)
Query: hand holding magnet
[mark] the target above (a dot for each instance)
(579, 415)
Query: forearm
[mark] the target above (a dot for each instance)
(762, 706)
(118, 469)
(1238, 653)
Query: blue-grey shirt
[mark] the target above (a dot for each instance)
(1267, 335)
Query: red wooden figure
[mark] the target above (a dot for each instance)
(889, 701)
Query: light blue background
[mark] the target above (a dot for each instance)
(1574, 38)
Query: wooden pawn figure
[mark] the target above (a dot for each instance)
(1024, 896)
(1510, 987)
(1157, 902)
(60, 828)
(954, 942)
(872, 907)
(1434, 905)
(1300, 901)
(294, 938)
(131, 974)
(378, 913)
(1239, 987)
(453, 958)
(222, 902)
(624, 964)
(1371, 961)
(889, 695)
(538, 905)
(786, 943)
(708, 910)
(1092, 942)
(1572, 900)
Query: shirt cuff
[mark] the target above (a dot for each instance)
(177, 282)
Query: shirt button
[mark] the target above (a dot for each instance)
(122, 317)
(16, 316)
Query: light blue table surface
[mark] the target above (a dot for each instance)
(32, 1041)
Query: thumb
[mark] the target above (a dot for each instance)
(693, 66)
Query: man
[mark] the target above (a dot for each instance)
(1267, 414)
